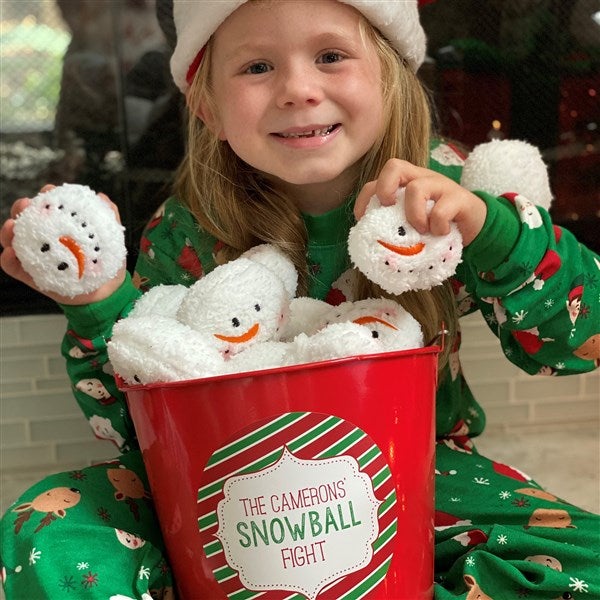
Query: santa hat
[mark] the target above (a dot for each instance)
(195, 22)
(576, 288)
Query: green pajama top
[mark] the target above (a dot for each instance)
(535, 285)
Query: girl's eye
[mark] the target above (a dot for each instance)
(330, 57)
(258, 68)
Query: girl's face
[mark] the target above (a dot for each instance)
(298, 94)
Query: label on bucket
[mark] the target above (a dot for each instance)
(301, 503)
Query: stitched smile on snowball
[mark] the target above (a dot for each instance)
(403, 250)
(239, 339)
(370, 319)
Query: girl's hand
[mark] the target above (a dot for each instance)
(452, 201)
(11, 266)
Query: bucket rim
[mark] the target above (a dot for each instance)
(125, 387)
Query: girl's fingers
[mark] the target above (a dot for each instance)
(362, 200)
(442, 213)
(416, 195)
(11, 265)
(452, 202)
(7, 233)
(395, 173)
(112, 205)
(18, 206)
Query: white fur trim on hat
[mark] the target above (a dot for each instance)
(197, 20)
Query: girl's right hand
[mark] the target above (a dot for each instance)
(11, 265)
(453, 203)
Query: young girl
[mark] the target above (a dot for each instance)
(298, 112)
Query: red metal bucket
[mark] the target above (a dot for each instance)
(311, 481)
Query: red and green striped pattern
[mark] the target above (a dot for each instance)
(309, 436)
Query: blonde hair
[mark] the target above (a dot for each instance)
(234, 203)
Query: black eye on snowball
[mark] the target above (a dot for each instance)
(45, 248)
(375, 334)
(257, 307)
(401, 230)
(235, 322)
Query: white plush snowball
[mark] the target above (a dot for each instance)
(69, 240)
(503, 166)
(394, 255)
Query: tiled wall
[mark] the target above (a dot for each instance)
(41, 424)
(42, 429)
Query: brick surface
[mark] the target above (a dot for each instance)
(536, 388)
(38, 405)
(42, 329)
(582, 411)
(24, 367)
(12, 434)
(69, 428)
(27, 457)
(85, 453)
(9, 331)
(491, 393)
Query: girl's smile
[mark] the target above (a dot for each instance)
(302, 105)
(308, 137)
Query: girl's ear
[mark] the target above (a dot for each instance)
(208, 117)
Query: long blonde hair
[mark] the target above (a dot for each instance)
(233, 202)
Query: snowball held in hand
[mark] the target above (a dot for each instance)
(69, 240)
(394, 255)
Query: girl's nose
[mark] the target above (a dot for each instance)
(298, 85)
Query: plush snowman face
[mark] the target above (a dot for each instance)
(69, 240)
(387, 321)
(238, 304)
(394, 255)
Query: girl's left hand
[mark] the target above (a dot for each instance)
(11, 265)
(452, 201)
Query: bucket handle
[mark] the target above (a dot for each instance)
(440, 335)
